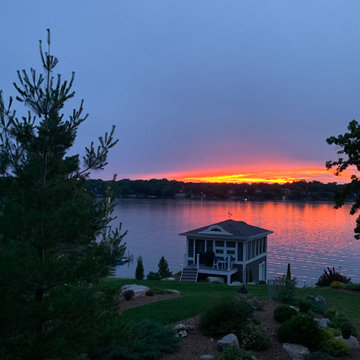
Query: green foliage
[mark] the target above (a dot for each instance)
(349, 146)
(318, 307)
(333, 346)
(163, 268)
(150, 292)
(284, 289)
(304, 306)
(153, 276)
(335, 284)
(255, 321)
(319, 355)
(139, 272)
(234, 353)
(334, 332)
(283, 313)
(340, 322)
(254, 338)
(301, 329)
(56, 243)
(288, 272)
(331, 275)
(128, 294)
(145, 340)
(227, 316)
(353, 287)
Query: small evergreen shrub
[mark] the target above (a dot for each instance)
(319, 355)
(149, 339)
(128, 294)
(228, 316)
(333, 346)
(340, 322)
(346, 330)
(139, 272)
(153, 276)
(304, 306)
(255, 321)
(283, 313)
(255, 338)
(335, 284)
(284, 289)
(300, 329)
(150, 292)
(353, 287)
(318, 307)
(335, 332)
(234, 353)
(163, 268)
(331, 275)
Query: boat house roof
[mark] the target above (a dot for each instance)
(228, 229)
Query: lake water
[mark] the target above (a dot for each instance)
(310, 236)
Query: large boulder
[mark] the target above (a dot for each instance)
(296, 352)
(352, 342)
(227, 341)
(139, 290)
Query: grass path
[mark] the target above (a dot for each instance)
(198, 296)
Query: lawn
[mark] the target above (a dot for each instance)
(198, 296)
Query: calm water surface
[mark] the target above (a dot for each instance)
(310, 236)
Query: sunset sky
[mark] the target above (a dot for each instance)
(236, 90)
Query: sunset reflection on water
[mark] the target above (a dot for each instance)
(310, 236)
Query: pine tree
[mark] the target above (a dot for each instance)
(163, 268)
(55, 240)
(139, 273)
(288, 273)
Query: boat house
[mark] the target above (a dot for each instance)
(233, 250)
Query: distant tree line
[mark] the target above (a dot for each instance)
(296, 191)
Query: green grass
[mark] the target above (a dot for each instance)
(196, 297)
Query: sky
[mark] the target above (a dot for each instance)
(235, 90)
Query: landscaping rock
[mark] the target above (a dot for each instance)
(182, 333)
(228, 341)
(317, 298)
(181, 327)
(206, 357)
(139, 290)
(352, 342)
(169, 278)
(322, 322)
(296, 352)
(235, 283)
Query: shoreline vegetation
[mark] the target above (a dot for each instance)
(172, 189)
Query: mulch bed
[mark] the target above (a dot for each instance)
(196, 344)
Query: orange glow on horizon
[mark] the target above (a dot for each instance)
(281, 176)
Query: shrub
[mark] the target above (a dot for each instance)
(340, 322)
(319, 355)
(149, 339)
(153, 276)
(284, 289)
(283, 313)
(331, 275)
(346, 330)
(255, 338)
(317, 304)
(228, 316)
(333, 346)
(150, 292)
(304, 306)
(234, 353)
(139, 272)
(163, 268)
(335, 284)
(335, 332)
(354, 287)
(128, 294)
(301, 329)
(255, 321)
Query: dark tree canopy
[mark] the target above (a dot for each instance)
(55, 240)
(349, 156)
